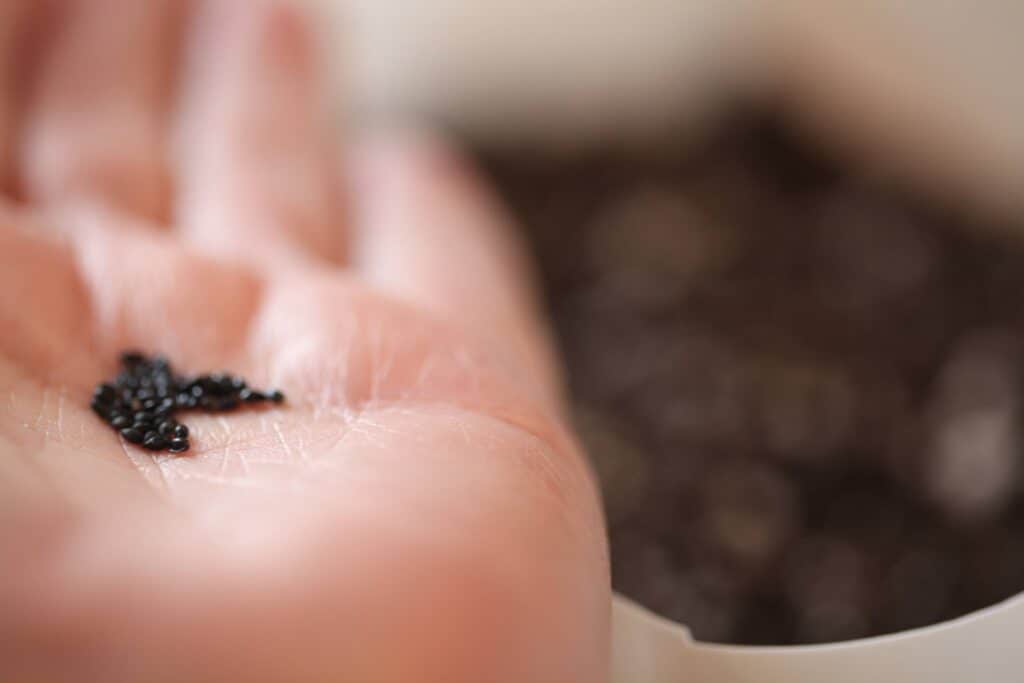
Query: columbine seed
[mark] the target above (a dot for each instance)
(132, 435)
(155, 442)
(178, 445)
(141, 401)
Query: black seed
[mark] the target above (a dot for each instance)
(250, 396)
(105, 393)
(130, 358)
(210, 384)
(146, 392)
(218, 403)
(155, 442)
(100, 408)
(178, 445)
(132, 435)
(164, 407)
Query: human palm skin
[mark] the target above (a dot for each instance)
(415, 511)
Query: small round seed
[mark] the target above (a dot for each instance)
(155, 442)
(180, 431)
(164, 407)
(100, 408)
(120, 422)
(132, 358)
(219, 403)
(105, 393)
(132, 435)
(178, 445)
(143, 416)
(211, 383)
(167, 427)
(276, 396)
(251, 396)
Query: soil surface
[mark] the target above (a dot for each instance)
(801, 389)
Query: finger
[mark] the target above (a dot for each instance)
(431, 232)
(147, 290)
(14, 21)
(259, 173)
(42, 302)
(96, 124)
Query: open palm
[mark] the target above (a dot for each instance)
(414, 512)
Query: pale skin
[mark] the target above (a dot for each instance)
(416, 511)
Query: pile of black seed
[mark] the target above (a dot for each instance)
(142, 400)
(803, 390)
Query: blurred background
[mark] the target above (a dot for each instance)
(782, 245)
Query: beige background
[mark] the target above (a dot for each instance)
(925, 91)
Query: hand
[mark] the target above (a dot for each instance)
(416, 511)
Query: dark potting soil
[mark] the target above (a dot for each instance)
(801, 390)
